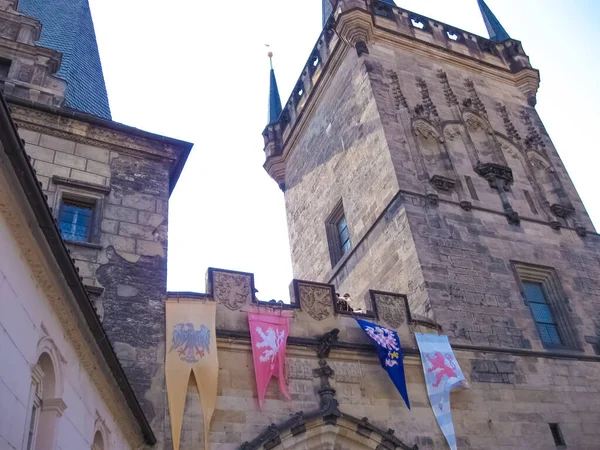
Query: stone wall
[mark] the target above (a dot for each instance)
(346, 129)
(448, 243)
(511, 402)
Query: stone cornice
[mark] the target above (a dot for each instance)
(90, 134)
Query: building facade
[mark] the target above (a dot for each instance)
(422, 193)
(79, 368)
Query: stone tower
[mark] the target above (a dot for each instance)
(412, 160)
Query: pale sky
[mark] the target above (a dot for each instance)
(198, 71)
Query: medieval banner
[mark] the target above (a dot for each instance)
(191, 346)
(442, 375)
(390, 354)
(269, 333)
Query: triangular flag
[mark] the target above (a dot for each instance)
(269, 333)
(191, 346)
(442, 375)
(390, 354)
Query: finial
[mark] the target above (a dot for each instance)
(495, 29)
(275, 107)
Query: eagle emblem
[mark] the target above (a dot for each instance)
(189, 342)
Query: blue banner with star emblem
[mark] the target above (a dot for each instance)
(390, 354)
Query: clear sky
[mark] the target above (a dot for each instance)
(198, 71)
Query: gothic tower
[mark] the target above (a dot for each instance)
(412, 159)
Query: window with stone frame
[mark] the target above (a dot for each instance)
(75, 218)
(338, 234)
(542, 292)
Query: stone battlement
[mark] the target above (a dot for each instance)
(315, 309)
(356, 24)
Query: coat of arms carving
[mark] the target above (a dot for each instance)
(232, 290)
(316, 301)
(391, 309)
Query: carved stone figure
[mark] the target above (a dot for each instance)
(325, 343)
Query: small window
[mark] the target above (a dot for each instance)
(557, 435)
(34, 414)
(338, 234)
(542, 314)
(549, 306)
(75, 219)
(344, 236)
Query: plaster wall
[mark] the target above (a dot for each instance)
(25, 318)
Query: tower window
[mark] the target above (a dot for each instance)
(344, 236)
(75, 219)
(542, 314)
(542, 291)
(338, 234)
(557, 435)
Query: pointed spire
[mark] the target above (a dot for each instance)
(274, 99)
(493, 25)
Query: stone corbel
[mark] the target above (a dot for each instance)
(500, 178)
(355, 27)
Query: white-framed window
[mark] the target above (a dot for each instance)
(35, 402)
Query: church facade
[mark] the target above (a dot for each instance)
(422, 193)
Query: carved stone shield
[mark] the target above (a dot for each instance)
(391, 309)
(316, 301)
(232, 290)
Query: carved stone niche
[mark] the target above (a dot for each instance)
(316, 299)
(232, 289)
(442, 183)
(493, 172)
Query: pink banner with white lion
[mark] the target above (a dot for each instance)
(269, 333)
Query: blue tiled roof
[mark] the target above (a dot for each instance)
(67, 27)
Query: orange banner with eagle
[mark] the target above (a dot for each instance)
(191, 347)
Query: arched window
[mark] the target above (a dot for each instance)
(46, 406)
(98, 443)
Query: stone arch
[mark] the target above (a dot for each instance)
(319, 431)
(98, 443)
(101, 434)
(433, 151)
(46, 346)
(524, 177)
(482, 138)
(48, 405)
(550, 185)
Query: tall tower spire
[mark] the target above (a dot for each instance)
(274, 98)
(493, 25)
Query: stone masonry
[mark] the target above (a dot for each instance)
(512, 399)
(428, 138)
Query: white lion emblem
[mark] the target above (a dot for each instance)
(271, 341)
